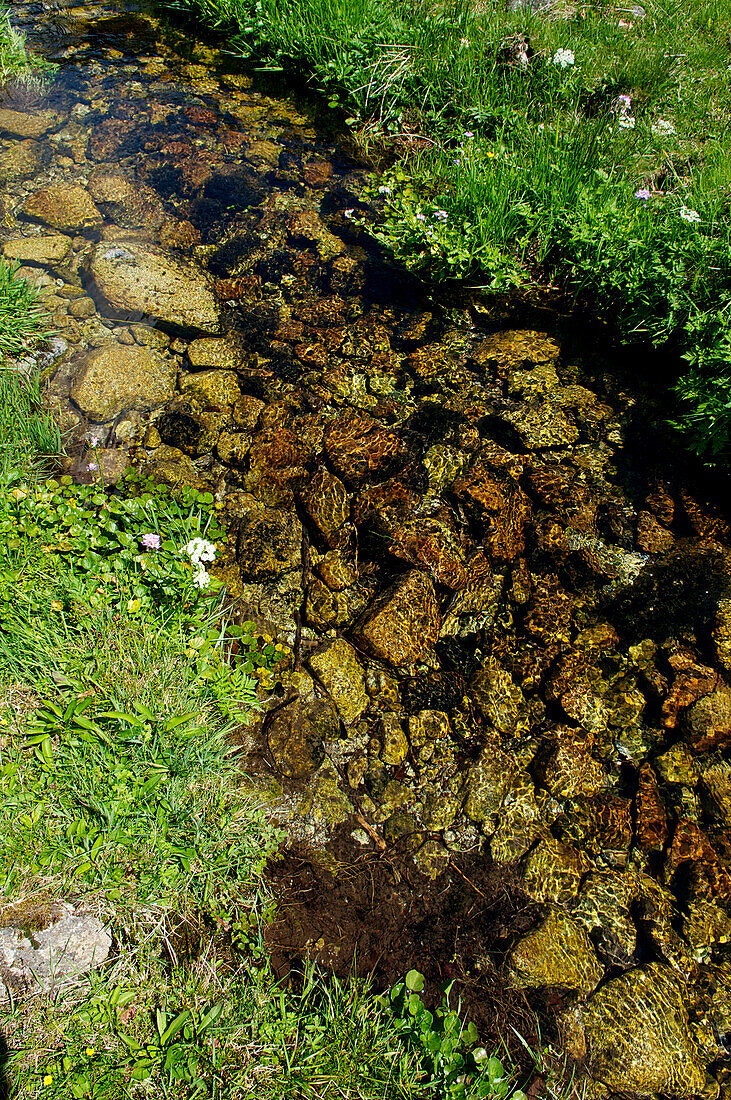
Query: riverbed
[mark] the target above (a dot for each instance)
(499, 738)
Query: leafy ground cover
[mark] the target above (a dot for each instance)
(583, 146)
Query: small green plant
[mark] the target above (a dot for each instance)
(456, 1068)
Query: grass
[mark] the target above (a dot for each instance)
(522, 141)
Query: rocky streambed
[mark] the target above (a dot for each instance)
(500, 740)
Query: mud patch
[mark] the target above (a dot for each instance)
(373, 913)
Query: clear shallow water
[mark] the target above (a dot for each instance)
(502, 588)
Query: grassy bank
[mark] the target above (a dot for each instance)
(584, 147)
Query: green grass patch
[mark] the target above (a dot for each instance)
(588, 150)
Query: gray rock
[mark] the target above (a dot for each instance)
(39, 961)
(137, 278)
(117, 378)
(44, 251)
(27, 124)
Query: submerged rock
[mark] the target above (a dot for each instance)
(557, 954)
(63, 206)
(117, 378)
(44, 251)
(636, 1035)
(341, 674)
(136, 278)
(28, 124)
(403, 625)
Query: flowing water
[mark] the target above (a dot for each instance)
(500, 739)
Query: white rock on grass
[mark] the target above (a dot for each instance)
(39, 961)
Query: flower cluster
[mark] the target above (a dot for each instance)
(623, 110)
(643, 194)
(661, 128)
(200, 551)
(564, 58)
(689, 215)
(151, 541)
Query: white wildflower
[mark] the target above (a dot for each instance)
(199, 550)
(662, 128)
(564, 58)
(201, 579)
(689, 215)
(349, 212)
(626, 122)
(384, 190)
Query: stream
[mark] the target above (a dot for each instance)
(499, 742)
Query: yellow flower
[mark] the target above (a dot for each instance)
(133, 605)
(48, 1079)
(56, 605)
(90, 1052)
(490, 154)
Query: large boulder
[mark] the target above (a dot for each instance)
(117, 378)
(636, 1034)
(137, 278)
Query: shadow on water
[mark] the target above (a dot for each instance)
(4, 1061)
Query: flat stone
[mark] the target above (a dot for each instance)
(134, 277)
(116, 379)
(542, 426)
(402, 627)
(23, 160)
(71, 944)
(341, 674)
(43, 251)
(27, 124)
(67, 207)
(558, 954)
(219, 352)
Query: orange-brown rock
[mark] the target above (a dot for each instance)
(403, 625)
(692, 681)
(651, 827)
(359, 447)
(601, 824)
(326, 502)
(704, 518)
(561, 489)
(652, 537)
(429, 542)
(707, 724)
(692, 850)
(566, 766)
(499, 504)
(549, 611)
(388, 502)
